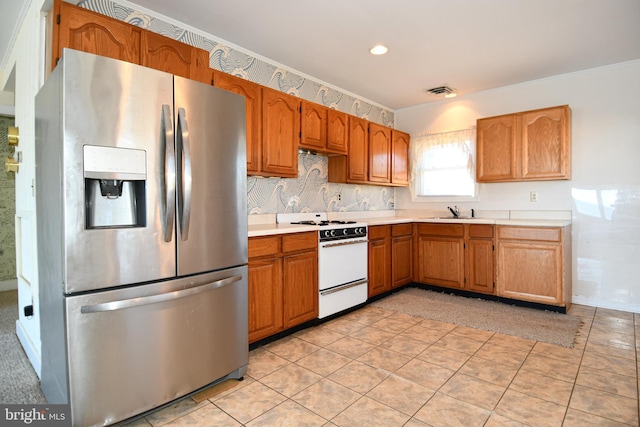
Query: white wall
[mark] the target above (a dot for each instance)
(24, 73)
(604, 192)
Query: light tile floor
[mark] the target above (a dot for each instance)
(379, 368)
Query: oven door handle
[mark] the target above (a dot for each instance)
(350, 242)
(343, 287)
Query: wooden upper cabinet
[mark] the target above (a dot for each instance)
(496, 147)
(545, 143)
(531, 145)
(379, 153)
(314, 126)
(337, 131)
(172, 56)
(324, 130)
(81, 29)
(280, 133)
(358, 157)
(399, 158)
(252, 93)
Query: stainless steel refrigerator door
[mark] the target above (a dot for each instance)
(131, 350)
(211, 178)
(110, 103)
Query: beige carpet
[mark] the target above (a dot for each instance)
(18, 381)
(539, 325)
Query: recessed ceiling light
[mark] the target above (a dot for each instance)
(378, 50)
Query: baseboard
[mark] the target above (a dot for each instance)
(9, 285)
(632, 308)
(29, 348)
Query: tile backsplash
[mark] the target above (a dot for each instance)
(311, 192)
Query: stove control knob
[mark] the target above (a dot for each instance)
(326, 233)
(333, 233)
(344, 231)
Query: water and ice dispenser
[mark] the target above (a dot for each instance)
(115, 187)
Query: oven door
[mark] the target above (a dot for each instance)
(342, 275)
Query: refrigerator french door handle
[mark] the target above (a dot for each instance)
(169, 173)
(154, 299)
(184, 201)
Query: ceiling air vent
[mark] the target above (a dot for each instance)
(441, 90)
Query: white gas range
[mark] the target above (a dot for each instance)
(342, 260)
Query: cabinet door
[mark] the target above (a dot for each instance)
(530, 271)
(358, 157)
(169, 55)
(479, 268)
(545, 143)
(280, 133)
(497, 149)
(88, 31)
(337, 131)
(265, 298)
(379, 266)
(399, 158)
(441, 261)
(252, 93)
(300, 288)
(314, 126)
(401, 260)
(379, 153)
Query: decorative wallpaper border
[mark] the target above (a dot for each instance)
(232, 61)
(311, 192)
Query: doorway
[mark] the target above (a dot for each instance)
(7, 213)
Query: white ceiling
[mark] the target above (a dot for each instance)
(470, 45)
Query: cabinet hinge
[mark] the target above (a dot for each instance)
(464, 246)
(493, 247)
(58, 19)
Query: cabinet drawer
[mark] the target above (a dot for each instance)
(299, 241)
(455, 230)
(530, 233)
(401, 229)
(264, 246)
(379, 232)
(481, 230)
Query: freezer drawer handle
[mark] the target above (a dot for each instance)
(184, 165)
(154, 299)
(169, 173)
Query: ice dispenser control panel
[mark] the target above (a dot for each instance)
(115, 186)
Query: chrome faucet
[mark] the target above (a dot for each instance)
(454, 211)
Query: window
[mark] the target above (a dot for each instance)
(443, 165)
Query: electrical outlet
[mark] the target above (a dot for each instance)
(533, 196)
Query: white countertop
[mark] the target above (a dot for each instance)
(267, 229)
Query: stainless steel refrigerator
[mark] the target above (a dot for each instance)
(142, 237)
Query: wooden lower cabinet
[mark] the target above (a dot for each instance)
(479, 258)
(401, 254)
(534, 264)
(300, 297)
(379, 259)
(265, 298)
(455, 255)
(283, 282)
(440, 255)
